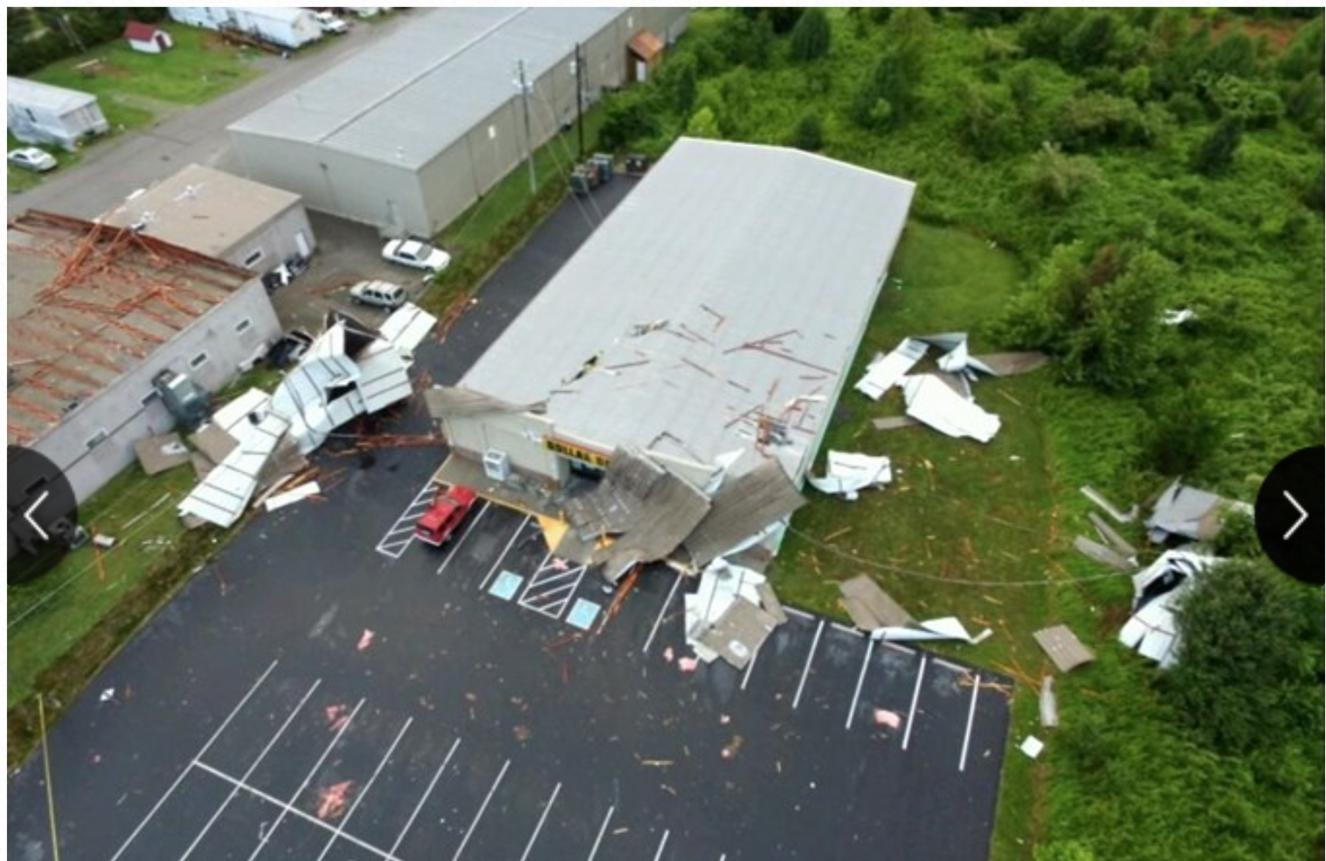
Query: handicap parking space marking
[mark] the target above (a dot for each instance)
(552, 586)
(397, 538)
(506, 585)
(583, 614)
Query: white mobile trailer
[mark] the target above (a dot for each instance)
(43, 114)
(288, 27)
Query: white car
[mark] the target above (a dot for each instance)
(32, 158)
(379, 294)
(331, 24)
(416, 254)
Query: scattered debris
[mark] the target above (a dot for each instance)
(687, 663)
(1064, 648)
(956, 360)
(1157, 589)
(885, 372)
(1187, 512)
(349, 370)
(337, 717)
(332, 800)
(160, 453)
(894, 422)
(726, 617)
(365, 640)
(1113, 538)
(1032, 746)
(1177, 316)
(105, 542)
(107, 696)
(870, 607)
(1013, 364)
(1102, 554)
(1119, 516)
(289, 497)
(931, 401)
(945, 628)
(669, 655)
(849, 473)
(1049, 704)
(884, 717)
(733, 747)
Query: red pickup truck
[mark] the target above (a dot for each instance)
(446, 513)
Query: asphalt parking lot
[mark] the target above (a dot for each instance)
(324, 690)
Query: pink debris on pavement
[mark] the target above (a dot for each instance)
(365, 639)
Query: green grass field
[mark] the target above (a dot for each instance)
(135, 89)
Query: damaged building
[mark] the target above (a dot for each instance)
(665, 394)
(106, 327)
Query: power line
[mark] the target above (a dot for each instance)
(952, 581)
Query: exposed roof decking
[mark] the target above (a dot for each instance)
(724, 298)
(100, 300)
(428, 84)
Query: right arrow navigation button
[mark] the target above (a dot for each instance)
(1288, 514)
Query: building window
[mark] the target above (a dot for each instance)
(243, 326)
(97, 439)
(148, 398)
(630, 22)
(253, 259)
(492, 133)
(198, 361)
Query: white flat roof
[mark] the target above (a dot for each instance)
(734, 282)
(408, 97)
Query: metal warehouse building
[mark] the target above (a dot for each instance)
(707, 325)
(217, 214)
(413, 129)
(95, 313)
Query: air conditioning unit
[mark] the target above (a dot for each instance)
(496, 465)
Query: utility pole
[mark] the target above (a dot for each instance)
(580, 103)
(529, 140)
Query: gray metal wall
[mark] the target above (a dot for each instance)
(275, 239)
(400, 200)
(360, 189)
(120, 408)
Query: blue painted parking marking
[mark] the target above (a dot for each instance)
(506, 585)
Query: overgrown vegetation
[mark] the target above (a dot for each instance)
(1079, 172)
(40, 35)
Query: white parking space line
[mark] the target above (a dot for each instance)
(539, 827)
(234, 790)
(949, 665)
(661, 610)
(482, 807)
(505, 551)
(661, 844)
(483, 509)
(796, 612)
(846, 629)
(603, 829)
(897, 647)
(340, 828)
(225, 723)
(423, 798)
(398, 537)
(294, 811)
(860, 680)
(749, 668)
(267, 835)
(805, 671)
(971, 714)
(916, 695)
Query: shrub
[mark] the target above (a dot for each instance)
(1090, 42)
(1215, 154)
(810, 37)
(703, 124)
(1250, 657)
(896, 78)
(1096, 119)
(988, 126)
(808, 134)
(1182, 433)
(1237, 537)
(1054, 178)
(627, 116)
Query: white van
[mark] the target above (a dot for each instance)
(380, 294)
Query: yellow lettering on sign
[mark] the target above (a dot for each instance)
(577, 452)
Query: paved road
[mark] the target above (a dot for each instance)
(111, 170)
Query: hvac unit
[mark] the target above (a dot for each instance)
(496, 465)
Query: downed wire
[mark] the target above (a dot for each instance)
(955, 581)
